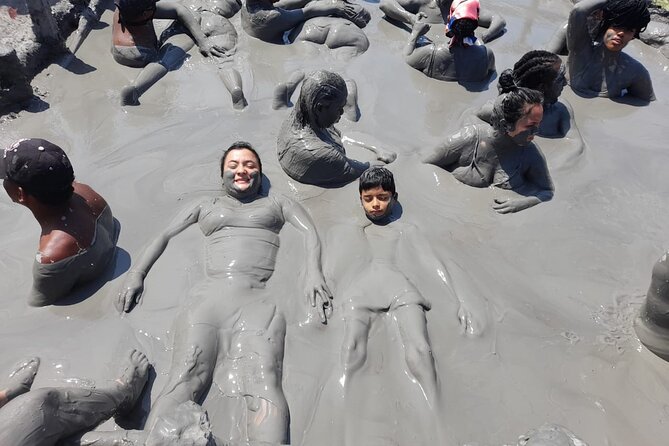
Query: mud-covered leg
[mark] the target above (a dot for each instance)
(233, 83)
(20, 380)
(172, 54)
(193, 364)
(50, 414)
(351, 109)
(256, 357)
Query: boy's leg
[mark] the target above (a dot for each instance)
(418, 352)
(20, 380)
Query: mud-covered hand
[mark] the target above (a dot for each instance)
(131, 292)
(318, 295)
(207, 48)
(509, 206)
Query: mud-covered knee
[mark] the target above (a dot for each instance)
(419, 353)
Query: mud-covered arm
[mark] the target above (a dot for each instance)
(133, 286)
(471, 312)
(642, 87)
(180, 13)
(538, 187)
(494, 23)
(578, 37)
(394, 10)
(485, 112)
(316, 290)
(291, 4)
(450, 152)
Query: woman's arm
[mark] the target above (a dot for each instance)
(180, 13)
(451, 151)
(578, 36)
(132, 289)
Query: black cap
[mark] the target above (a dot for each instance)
(37, 165)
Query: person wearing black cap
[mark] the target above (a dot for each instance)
(134, 42)
(79, 233)
(600, 68)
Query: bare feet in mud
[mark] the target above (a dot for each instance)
(133, 378)
(420, 29)
(284, 91)
(20, 380)
(129, 95)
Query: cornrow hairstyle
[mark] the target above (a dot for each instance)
(463, 28)
(535, 70)
(510, 107)
(627, 14)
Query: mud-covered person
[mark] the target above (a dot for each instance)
(600, 67)
(501, 153)
(78, 232)
(135, 44)
(268, 20)
(463, 59)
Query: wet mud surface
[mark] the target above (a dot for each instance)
(561, 282)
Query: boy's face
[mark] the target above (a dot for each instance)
(377, 203)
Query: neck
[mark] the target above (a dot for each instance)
(47, 215)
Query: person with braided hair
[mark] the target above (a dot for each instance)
(463, 59)
(542, 71)
(599, 67)
(501, 153)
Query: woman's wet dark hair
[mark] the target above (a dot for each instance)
(462, 28)
(320, 86)
(627, 14)
(240, 145)
(535, 70)
(511, 106)
(377, 176)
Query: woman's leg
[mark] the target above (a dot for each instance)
(20, 380)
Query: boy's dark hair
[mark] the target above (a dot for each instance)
(627, 14)
(462, 28)
(377, 176)
(239, 145)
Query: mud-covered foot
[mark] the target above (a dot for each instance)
(188, 424)
(133, 378)
(21, 378)
(129, 95)
(420, 29)
(238, 99)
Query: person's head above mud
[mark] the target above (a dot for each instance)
(518, 113)
(462, 22)
(241, 171)
(537, 70)
(35, 169)
(135, 12)
(322, 99)
(377, 193)
(622, 21)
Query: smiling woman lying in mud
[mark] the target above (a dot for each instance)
(501, 154)
(231, 315)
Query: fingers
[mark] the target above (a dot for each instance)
(128, 301)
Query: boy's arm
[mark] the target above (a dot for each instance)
(471, 314)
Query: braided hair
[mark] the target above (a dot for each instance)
(509, 107)
(627, 14)
(535, 70)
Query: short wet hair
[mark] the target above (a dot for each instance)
(627, 14)
(463, 28)
(535, 70)
(377, 176)
(240, 145)
(510, 107)
(320, 86)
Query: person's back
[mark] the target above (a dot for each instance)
(78, 237)
(134, 41)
